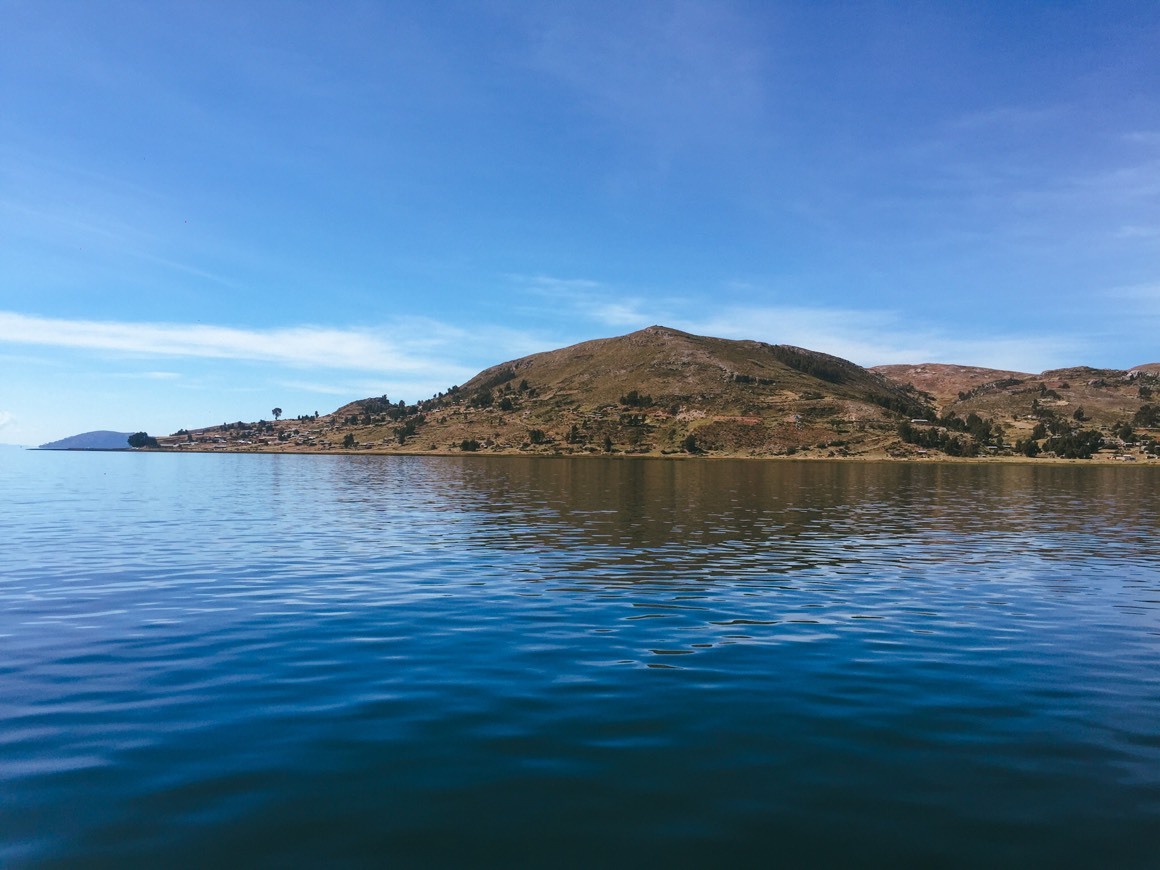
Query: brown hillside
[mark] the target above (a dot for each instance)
(1086, 395)
(649, 390)
(944, 382)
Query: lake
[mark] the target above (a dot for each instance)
(432, 661)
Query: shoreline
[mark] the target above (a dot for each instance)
(676, 457)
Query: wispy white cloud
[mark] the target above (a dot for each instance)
(146, 376)
(593, 300)
(7, 418)
(408, 358)
(299, 346)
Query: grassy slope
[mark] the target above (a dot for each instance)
(1106, 396)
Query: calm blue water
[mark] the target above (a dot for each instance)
(408, 661)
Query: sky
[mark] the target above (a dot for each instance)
(211, 209)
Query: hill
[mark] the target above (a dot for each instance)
(99, 440)
(661, 391)
(1101, 397)
(943, 382)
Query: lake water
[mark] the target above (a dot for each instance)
(425, 661)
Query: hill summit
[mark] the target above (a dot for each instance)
(650, 390)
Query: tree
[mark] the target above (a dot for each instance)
(1147, 417)
(277, 412)
(607, 444)
(348, 441)
(1081, 444)
(690, 444)
(142, 439)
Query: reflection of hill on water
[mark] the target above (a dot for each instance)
(699, 520)
(707, 556)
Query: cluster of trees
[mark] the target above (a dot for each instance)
(1148, 417)
(937, 438)
(483, 397)
(1030, 447)
(752, 379)
(635, 399)
(1068, 441)
(1124, 431)
(410, 428)
(1077, 444)
(826, 368)
(501, 377)
(900, 405)
(979, 428)
(378, 405)
(142, 439)
(975, 432)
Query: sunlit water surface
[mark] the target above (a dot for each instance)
(408, 661)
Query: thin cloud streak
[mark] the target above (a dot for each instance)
(302, 346)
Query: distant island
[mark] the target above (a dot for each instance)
(663, 392)
(99, 440)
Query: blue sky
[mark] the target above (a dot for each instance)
(209, 209)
